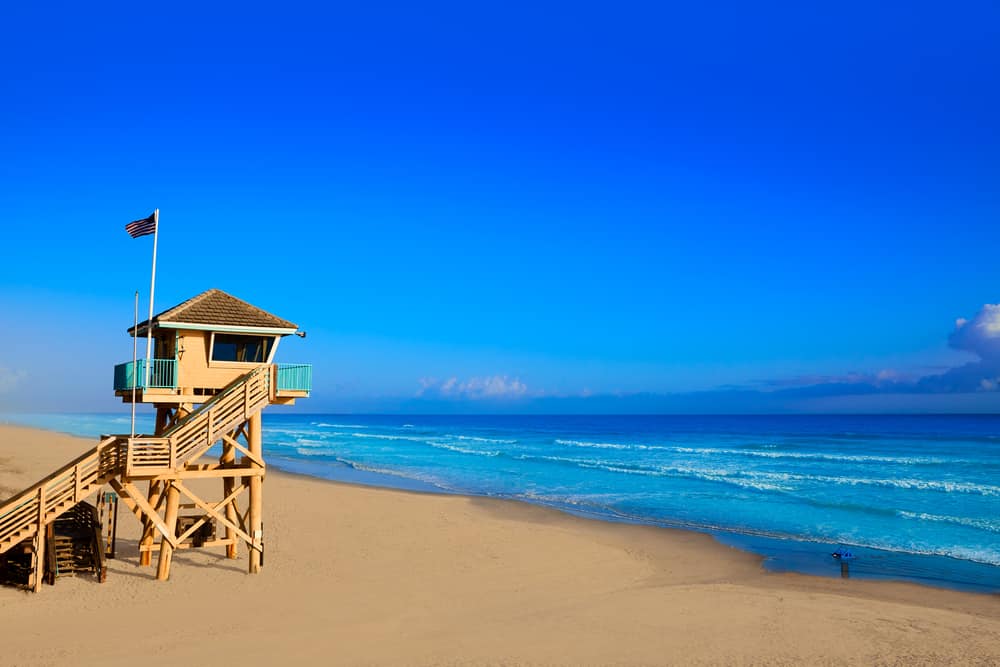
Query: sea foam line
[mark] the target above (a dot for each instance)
(771, 481)
(818, 456)
(610, 445)
(981, 524)
(462, 450)
(379, 436)
(492, 441)
(749, 481)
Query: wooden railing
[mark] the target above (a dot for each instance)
(193, 435)
(132, 374)
(21, 515)
(140, 456)
(294, 377)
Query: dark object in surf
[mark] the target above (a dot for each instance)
(844, 556)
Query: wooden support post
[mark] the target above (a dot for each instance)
(148, 529)
(165, 416)
(100, 569)
(256, 486)
(228, 484)
(51, 562)
(170, 519)
(39, 572)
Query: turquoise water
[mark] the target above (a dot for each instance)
(914, 497)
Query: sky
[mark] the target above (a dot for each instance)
(526, 207)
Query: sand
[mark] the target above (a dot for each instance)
(359, 575)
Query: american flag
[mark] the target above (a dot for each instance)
(142, 227)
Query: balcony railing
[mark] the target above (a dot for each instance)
(295, 377)
(162, 375)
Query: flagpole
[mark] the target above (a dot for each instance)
(152, 288)
(135, 354)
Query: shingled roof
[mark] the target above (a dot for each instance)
(217, 308)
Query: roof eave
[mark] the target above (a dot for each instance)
(221, 328)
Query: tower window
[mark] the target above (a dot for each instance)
(251, 349)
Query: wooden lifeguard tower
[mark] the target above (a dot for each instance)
(211, 375)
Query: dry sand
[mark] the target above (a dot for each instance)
(357, 575)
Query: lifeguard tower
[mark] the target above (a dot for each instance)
(211, 375)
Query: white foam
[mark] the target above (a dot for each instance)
(306, 442)
(611, 445)
(749, 481)
(818, 456)
(305, 451)
(981, 524)
(462, 450)
(492, 441)
(378, 436)
(920, 484)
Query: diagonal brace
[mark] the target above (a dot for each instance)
(128, 490)
(218, 517)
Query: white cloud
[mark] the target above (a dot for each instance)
(981, 334)
(493, 387)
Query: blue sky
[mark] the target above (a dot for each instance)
(525, 207)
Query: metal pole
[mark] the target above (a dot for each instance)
(152, 288)
(135, 354)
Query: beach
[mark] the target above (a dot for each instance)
(362, 575)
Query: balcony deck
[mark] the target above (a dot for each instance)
(161, 383)
(132, 375)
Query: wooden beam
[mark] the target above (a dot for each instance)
(228, 458)
(256, 459)
(100, 568)
(129, 503)
(128, 489)
(51, 562)
(39, 571)
(167, 546)
(255, 433)
(234, 471)
(210, 543)
(218, 517)
(198, 524)
(155, 497)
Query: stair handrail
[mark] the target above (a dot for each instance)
(23, 511)
(199, 430)
(14, 507)
(203, 409)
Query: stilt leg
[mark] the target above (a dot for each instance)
(148, 531)
(163, 418)
(228, 486)
(38, 573)
(256, 498)
(166, 550)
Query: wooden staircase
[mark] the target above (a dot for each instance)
(37, 506)
(120, 460)
(74, 544)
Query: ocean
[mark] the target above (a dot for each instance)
(914, 498)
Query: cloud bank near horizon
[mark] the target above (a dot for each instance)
(496, 387)
(979, 336)
(973, 386)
